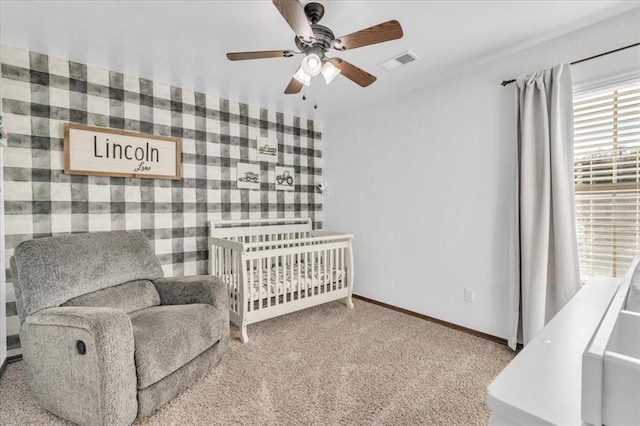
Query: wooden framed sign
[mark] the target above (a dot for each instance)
(100, 151)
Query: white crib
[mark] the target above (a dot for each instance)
(277, 266)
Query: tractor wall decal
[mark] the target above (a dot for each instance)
(249, 177)
(285, 177)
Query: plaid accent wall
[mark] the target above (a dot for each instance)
(41, 93)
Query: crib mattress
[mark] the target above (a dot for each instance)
(266, 283)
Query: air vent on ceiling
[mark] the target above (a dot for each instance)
(399, 60)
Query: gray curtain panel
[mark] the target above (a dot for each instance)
(549, 271)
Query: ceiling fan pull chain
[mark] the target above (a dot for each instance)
(315, 97)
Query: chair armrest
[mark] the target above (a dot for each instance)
(194, 289)
(93, 382)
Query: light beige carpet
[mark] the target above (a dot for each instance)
(325, 365)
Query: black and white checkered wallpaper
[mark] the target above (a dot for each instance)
(41, 93)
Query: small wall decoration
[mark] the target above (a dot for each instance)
(248, 176)
(100, 151)
(285, 179)
(3, 134)
(267, 149)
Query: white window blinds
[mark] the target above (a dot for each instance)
(607, 179)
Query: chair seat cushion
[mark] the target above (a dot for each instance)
(168, 337)
(129, 297)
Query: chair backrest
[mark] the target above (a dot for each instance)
(49, 271)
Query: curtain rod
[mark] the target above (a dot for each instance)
(506, 82)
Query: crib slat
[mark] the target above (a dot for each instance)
(326, 264)
(298, 267)
(307, 277)
(267, 272)
(232, 283)
(236, 283)
(317, 258)
(274, 278)
(264, 266)
(314, 279)
(320, 260)
(338, 267)
(229, 256)
(308, 282)
(247, 284)
(225, 261)
(213, 260)
(288, 260)
(315, 265)
(342, 275)
(321, 269)
(240, 280)
(277, 282)
(291, 288)
(329, 279)
(251, 275)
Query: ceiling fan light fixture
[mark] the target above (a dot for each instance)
(312, 64)
(313, 41)
(302, 77)
(329, 72)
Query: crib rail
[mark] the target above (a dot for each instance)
(308, 239)
(259, 230)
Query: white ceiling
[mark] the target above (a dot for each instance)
(183, 43)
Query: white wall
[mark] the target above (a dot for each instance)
(427, 183)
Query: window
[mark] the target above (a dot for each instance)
(607, 179)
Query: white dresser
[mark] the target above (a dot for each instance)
(542, 385)
(583, 368)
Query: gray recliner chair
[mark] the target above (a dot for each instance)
(105, 338)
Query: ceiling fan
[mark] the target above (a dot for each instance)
(314, 41)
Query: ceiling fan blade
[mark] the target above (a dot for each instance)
(241, 56)
(294, 87)
(390, 30)
(293, 12)
(353, 73)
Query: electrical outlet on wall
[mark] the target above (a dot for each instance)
(469, 295)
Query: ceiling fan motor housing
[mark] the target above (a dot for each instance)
(323, 36)
(314, 11)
